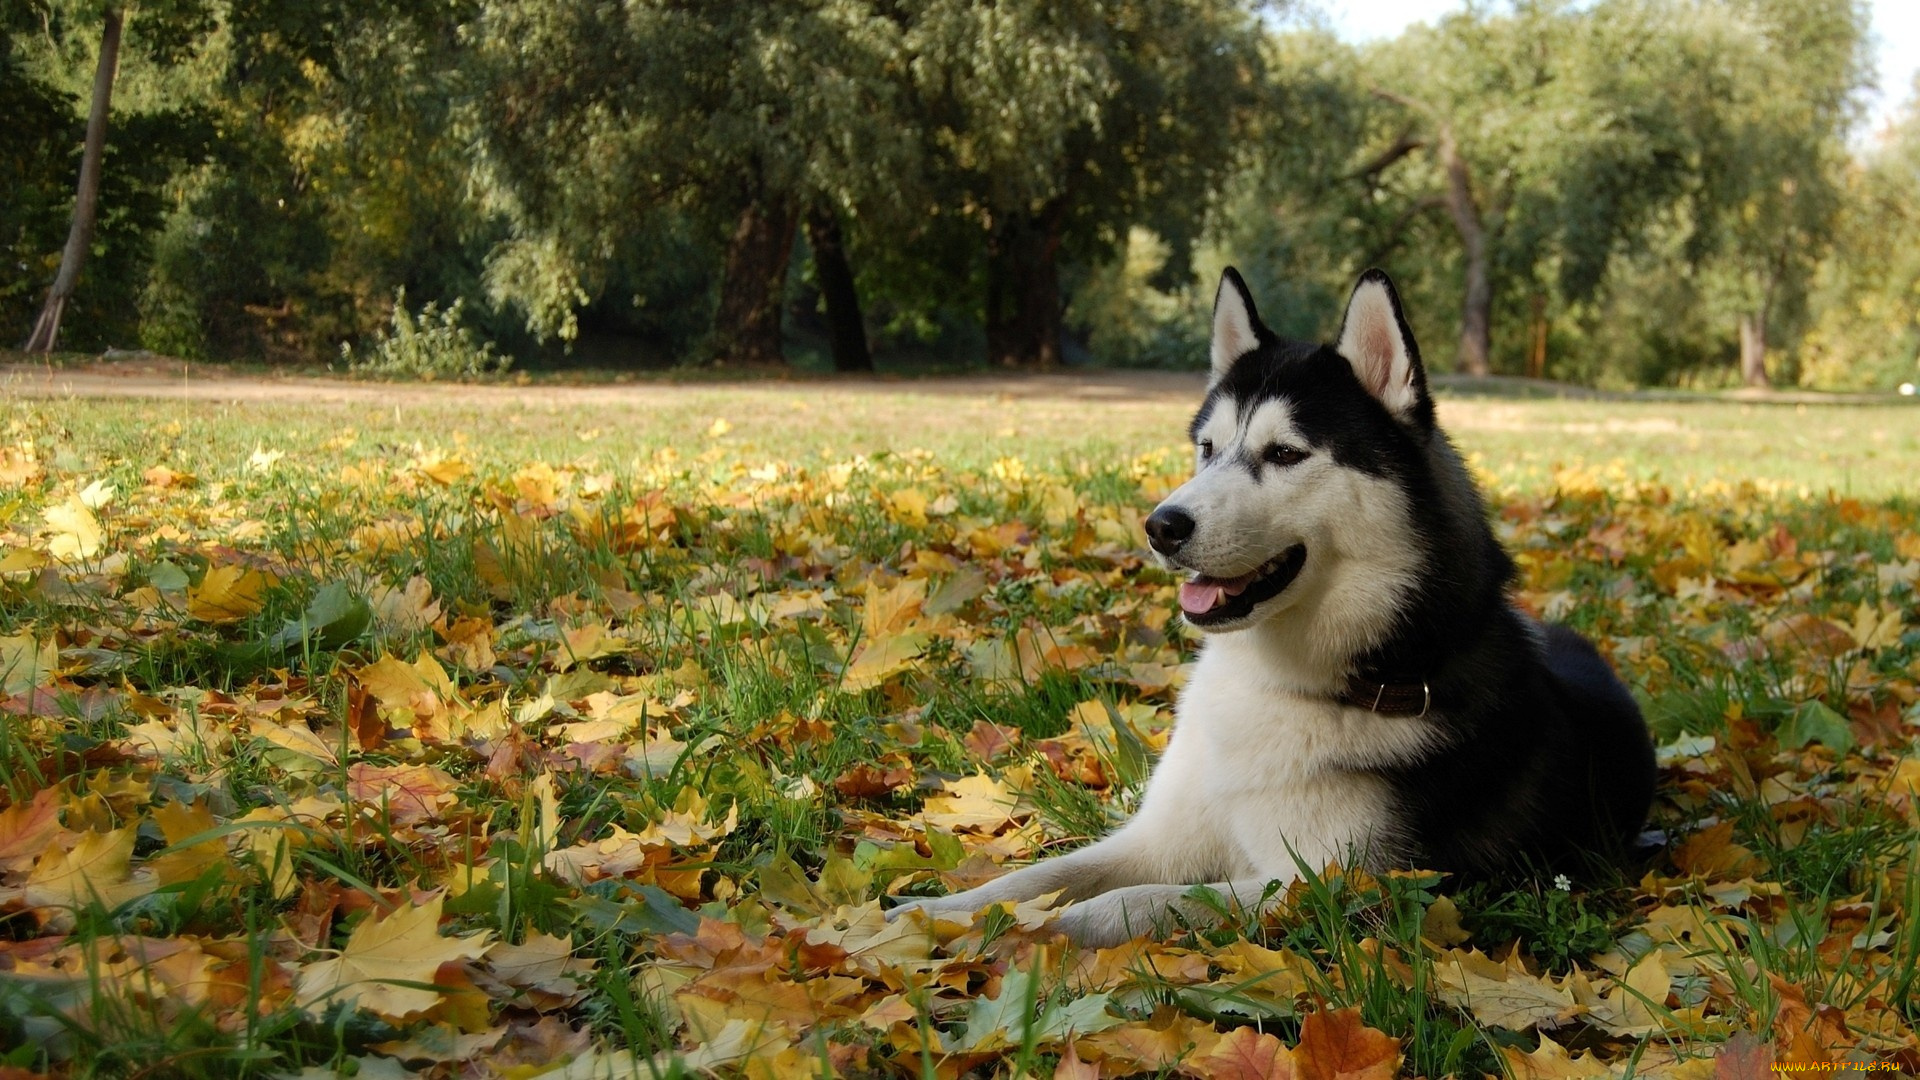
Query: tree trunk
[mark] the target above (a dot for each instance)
(1753, 350)
(747, 325)
(846, 329)
(46, 330)
(1537, 354)
(1476, 313)
(1023, 288)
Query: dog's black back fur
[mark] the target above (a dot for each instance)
(1545, 760)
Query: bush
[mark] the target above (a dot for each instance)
(430, 345)
(1129, 321)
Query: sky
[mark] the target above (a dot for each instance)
(1896, 28)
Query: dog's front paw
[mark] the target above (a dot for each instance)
(936, 905)
(1124, 914)
(1099, 923)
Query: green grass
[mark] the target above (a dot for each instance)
(1869, 451)
(633, 552)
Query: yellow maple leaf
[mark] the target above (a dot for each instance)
(228, 593)
(26, 663)
(977, 802)
(382, 957)
(1876, 628)
(1501, 995)
(1551, 1062)
(892, 610)
(874, 944)
(420, 687)
(76, 533)
(19, 560)
(299, 738)
(542, 960)
(908, 506)
(183, 821)
(469, 643)
(881, 658)
(406, 610)
(441, 469)
(98, 868)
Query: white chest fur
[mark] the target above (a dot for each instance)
(1258, 773)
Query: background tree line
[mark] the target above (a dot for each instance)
(1621, 191)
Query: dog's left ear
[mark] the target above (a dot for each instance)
(1375, 339)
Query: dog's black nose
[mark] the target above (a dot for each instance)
(1168, 528)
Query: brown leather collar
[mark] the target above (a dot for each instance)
(1387, 699)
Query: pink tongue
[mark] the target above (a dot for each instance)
(1198, 599)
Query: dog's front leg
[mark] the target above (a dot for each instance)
(1124, 914)
(1119, 860)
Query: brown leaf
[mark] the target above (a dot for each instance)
(1744, 1057)
(864, 781)
(989, 741)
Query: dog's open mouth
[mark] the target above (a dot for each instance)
(1217, 600)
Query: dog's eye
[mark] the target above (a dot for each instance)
(1282, 454)
(1206, 449)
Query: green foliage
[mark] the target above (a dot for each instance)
(1129, 321)
(431, 345)
(631, 180)
(1866, 333)
(1560, 927)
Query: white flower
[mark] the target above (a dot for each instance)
(1563, 882)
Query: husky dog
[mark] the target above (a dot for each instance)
(1366, 692)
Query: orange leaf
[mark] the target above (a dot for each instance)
(1072, 1068)
(1712, 853)
(410, 793)
(1337, 1045)
(26, 829)
(1244, 1054)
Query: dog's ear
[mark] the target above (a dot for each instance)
(1375, 339)
(1237, 330)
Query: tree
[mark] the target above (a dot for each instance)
(1772, 151)
(747, 116)
(46, 329)
(153, 141)
(1866, 292)
(846, 329)
(1064, 123)
(1546, 138)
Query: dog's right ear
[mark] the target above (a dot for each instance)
(1237, 330)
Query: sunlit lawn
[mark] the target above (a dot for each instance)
(1862, 450)
(452, 733)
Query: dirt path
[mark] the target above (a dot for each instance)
(184, 382)
(159, 379)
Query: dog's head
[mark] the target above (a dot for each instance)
(1301, 456)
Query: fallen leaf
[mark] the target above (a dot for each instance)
(227, 594)
(1335, 1044)
(388, 964)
